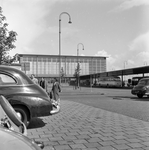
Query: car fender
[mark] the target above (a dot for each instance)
(32, 103)
(15, 101)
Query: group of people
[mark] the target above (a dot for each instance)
(54, 92)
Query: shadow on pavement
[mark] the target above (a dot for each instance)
(128, 97)
(36, 123)
(144, 99)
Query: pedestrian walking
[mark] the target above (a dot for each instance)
(55, 91)
(42, 83)
(34, 79)
(48, 87)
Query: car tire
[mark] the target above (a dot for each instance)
(23, 114)
(140, 95)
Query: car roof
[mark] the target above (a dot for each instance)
(9, 68)
(16, 72)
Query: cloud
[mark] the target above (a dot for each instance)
(102, 53)
(128, 4)
(126, 60)
(31, 21)
(141, 43)
(139, 49)
(27, 19)
(137, 53)
(111, 60)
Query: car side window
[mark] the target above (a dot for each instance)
(6, 79)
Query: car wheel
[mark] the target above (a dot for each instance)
(22, 114)
(140, 95)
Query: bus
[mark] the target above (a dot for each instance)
(109, 82)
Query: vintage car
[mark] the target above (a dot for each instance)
(11, 140)
(142, 88)
(12, 131)
(27, 98)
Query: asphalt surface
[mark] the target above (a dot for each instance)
(115, 100)
(84, 127)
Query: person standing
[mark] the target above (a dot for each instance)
(35, 80)
(43, 83)
(55, 90)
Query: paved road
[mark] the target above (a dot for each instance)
(115, 100)
(83, 127)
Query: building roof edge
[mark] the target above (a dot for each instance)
(62, 55)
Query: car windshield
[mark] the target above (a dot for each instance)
(143, 82)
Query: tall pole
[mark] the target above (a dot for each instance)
(60, 42)
(91, 75)
(125, 63)
(145, 63)
(77, 59)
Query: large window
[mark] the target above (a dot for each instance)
(49, 65)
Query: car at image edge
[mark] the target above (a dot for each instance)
(142, 88)
(13, 132)
(27, 98)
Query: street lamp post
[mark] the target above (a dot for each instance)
(125, 63)
(145, 63)
(77, 59)
(60, 42)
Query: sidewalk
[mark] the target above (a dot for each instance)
(82, 127)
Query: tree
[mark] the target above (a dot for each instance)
(7, 38)
(77, 73)
(62, 73)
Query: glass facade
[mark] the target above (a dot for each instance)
(48, 65)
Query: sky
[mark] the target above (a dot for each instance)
(116, 29)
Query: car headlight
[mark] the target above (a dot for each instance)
(144, 88)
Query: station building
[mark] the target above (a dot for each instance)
(47, 66)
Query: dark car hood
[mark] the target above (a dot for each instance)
(138, 87)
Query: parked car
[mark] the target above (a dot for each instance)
(12, 131)
(142, 88)
(27, 98)
(11, 140)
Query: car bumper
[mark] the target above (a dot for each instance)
(135, 92)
